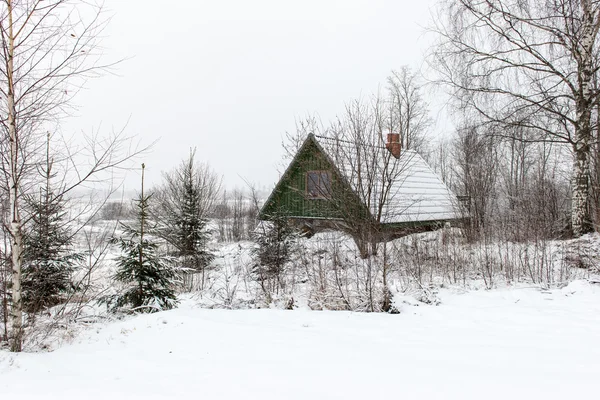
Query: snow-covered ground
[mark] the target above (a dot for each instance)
(519, 343)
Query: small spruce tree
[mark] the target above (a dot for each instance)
(190, 231)
(48, 261)
(150, 278)
(48, 258)
(276, 243)
(184, 203)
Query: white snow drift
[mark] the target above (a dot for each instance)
(504, 344)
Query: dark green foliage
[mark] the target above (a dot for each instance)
(276, 242)
(190, 228)
(48, 260)
(149, 277)
(291, 195)
(184, 203)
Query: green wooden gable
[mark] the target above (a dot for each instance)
(291, 199)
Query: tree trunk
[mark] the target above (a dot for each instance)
(142, 226)
(14, 227)
(580, 218)
(386, 305)
(362, 245)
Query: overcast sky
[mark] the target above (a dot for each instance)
(231, 77)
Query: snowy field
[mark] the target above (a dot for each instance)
(519, 343)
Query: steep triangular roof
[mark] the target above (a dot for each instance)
(310, 140)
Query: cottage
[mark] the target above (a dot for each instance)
(373, 191)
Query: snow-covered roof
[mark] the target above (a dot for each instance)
(396, 190)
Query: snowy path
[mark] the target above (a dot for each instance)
(509, 344)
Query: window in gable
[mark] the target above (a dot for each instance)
(318, 184)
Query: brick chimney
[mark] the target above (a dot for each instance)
(393, 144)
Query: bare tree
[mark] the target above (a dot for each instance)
(293, 140)
(373, 167)
(409, 113)
(476, 167)
(531, 64)
(49, 49)
(364, 196)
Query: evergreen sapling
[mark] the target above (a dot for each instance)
(149, 277)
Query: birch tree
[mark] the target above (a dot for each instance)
(48, 49)
(528, 64)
